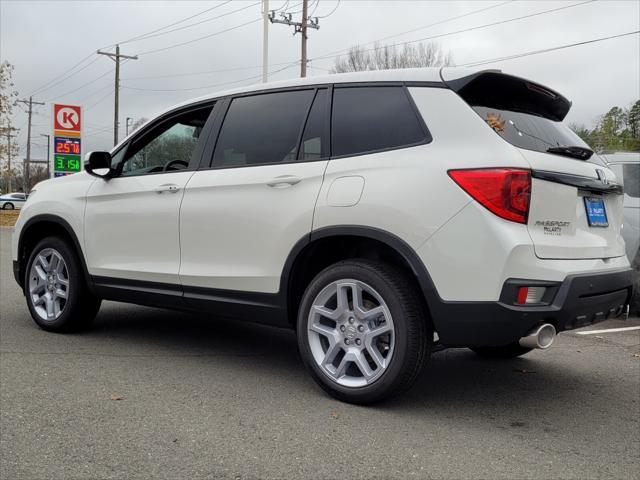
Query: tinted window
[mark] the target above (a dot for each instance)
(262, 129)
(531, 132)
(313, 145)
(167, 146)
(365, 119)
(631, 179)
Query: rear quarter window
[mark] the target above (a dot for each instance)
(369, 119)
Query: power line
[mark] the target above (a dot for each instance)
(92, 94)
(424, 27)
(141, 36)
(101, 100)
(197, 23)
(289, 65)
(477, 27)
(199, 38)
(546, 50)
(315, 7)
(81, 86)
(331, 12)
(68, 76)
(40, 88)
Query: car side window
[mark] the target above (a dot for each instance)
(313, 145)
(369, 119)
(262, 129)
(167, 146)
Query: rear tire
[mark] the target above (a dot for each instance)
(373, 343)
(57, 294)
(512, 350)
(8, 206)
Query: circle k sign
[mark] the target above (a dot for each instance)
(66, 117)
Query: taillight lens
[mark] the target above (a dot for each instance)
(504, 191)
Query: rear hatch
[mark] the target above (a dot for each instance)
(576, 201)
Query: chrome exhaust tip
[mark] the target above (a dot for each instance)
(541, 337)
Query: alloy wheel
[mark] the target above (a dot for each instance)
(49, 284)
(351, 333)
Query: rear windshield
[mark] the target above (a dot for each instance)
(525, 130)
(529, 131)
(525, 114)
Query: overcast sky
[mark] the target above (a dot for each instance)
(45, 39)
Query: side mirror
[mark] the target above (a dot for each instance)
(98, 164)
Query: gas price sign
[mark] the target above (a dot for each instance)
(67, 148)
(67, 163)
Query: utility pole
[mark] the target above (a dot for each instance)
(303, 45)
(265, 40)
(299, 27)
(48, 156)
(116, 58)
(27, 165)
(9, 136)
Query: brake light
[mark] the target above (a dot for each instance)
(504, 191)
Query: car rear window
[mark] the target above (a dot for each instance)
(529, 131)
(369, 119)
(523, 113)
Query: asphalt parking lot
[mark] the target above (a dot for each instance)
(156, 394)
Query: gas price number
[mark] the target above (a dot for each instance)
(67, 146)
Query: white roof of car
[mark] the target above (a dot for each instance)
(427, 74)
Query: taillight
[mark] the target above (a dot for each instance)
(504, 191)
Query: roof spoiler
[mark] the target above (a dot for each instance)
(492, 88)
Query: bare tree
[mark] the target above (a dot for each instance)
(138, 123)
(385, 57)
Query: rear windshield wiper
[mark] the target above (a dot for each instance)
(581, 153)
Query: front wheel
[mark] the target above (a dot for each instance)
(362, 331)
(57, 294)
(8, 206)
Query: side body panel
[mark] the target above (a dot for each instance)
(131, 227)
(237, 230)
(407, 191)
(63, 197)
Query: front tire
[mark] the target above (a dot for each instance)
(362, 331)
(57, 294)
(8, 206)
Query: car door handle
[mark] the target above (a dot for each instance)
(167, 187)
(284, 181)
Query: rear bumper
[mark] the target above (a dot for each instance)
(578, 301)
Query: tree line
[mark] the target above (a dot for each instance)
(616, 130)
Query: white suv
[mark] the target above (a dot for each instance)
(379, 214)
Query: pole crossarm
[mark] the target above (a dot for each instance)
(27, 162)
(116, 56)
(302, 26)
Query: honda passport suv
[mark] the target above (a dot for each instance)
(379, 214)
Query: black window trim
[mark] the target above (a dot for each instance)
(223, 103)
(327, 125)
(194, 162)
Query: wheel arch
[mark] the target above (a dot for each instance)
(42, 226)
(329, 245)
